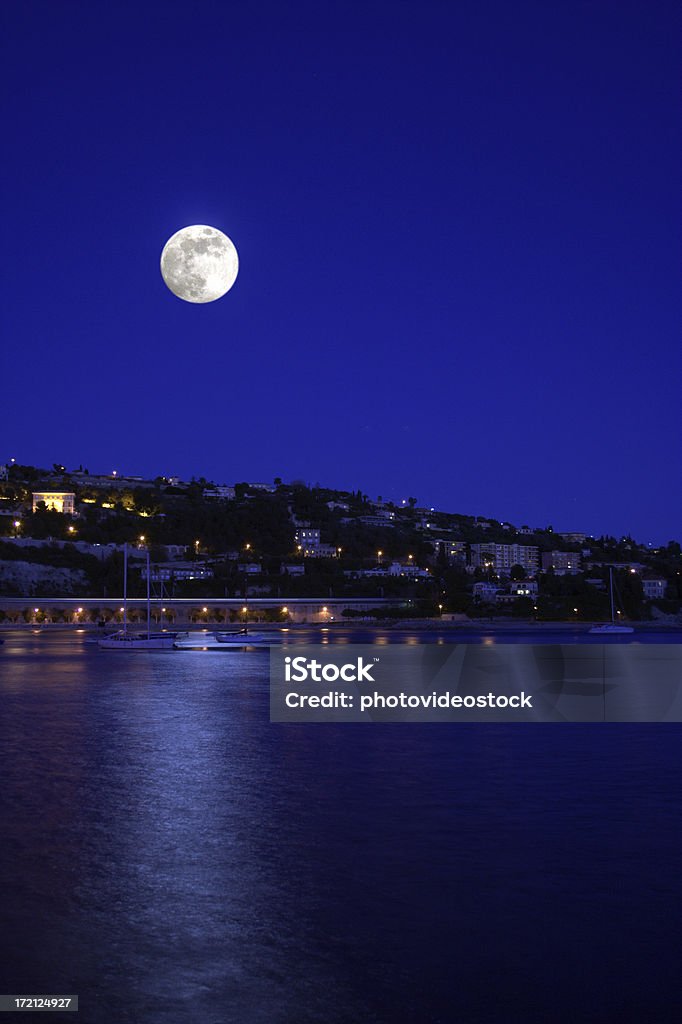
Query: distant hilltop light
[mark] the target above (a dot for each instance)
(199, 264)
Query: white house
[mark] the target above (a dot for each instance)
(309, 544)
(484, 591)
(164, 572)
(524, 588)
(408, 569)
(222, 492)
(654, 588)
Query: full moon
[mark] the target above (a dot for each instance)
(199, 263)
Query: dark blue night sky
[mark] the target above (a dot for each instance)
(458, 227)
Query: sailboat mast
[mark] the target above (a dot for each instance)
(149, 621)
(613, 615)
(125, 588)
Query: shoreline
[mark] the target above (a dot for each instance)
(411, 625)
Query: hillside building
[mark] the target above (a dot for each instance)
(562, 563)
(60, 501)
(501, 557)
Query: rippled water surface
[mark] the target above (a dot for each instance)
(170, 855)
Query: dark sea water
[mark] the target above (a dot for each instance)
(169, 855)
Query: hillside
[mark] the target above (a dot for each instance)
(209, 540)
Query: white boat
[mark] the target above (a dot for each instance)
(126, 641)
(612, 627)
(203, 640)
(240, 637)
(123, 641)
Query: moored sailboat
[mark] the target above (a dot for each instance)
(609, 628)
(125, 641)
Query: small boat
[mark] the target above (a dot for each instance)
(248, 639)
(240, 637)
(203, 640)
(122, 640)
(612, 627)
